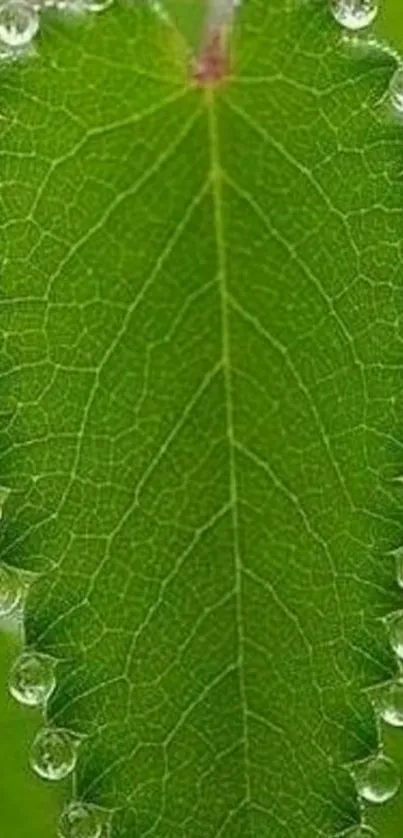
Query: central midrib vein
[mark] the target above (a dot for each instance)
(216, 186)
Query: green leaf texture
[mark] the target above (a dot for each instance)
(190, 18)
(201, 377)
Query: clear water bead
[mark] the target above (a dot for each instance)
(80, 821)
(53, 754)
(354, 14)
(396, 95)
(390, 704)
(32, 679)
(396, 635)
(399, 553)
(4, 494)
(11, 590)
(19, 24)
(97, 5)
(377, 779)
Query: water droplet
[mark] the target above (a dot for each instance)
(377, 779)
(396, 635)
(32, 679)
(19, 24)
(53, 753)
(354, 14)
(68, 7)
(399, 552)
(4, 494)
(11, 590)
(159, 10)
(389, 703)
(97, 5)
(80, 821)
(362, 831)
(396, 95)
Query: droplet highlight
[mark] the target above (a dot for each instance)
(396, 97)
(19, 24)
(97, 5)
(362, 831)
(53, 753)
(354, 14)
(80, 821)
(377, 780)
(396, 635)
(389, 704)
(11, 590)
(32, 679)
(4, 494)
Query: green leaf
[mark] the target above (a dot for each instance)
(202, 373)
(189, 17)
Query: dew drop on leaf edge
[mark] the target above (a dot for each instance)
(354, 14)
(53, 754)
(32, 679)
(79, 821)
(390, 704)
(396, 97)
(377, 780)
(396, 635)
(11, 590)
(362, 831)
(399, 552)
(78, 6)
(97, 5)
(19, 24)
(4, 494)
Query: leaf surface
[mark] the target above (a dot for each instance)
(201, 372)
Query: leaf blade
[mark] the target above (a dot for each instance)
(167, 192)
